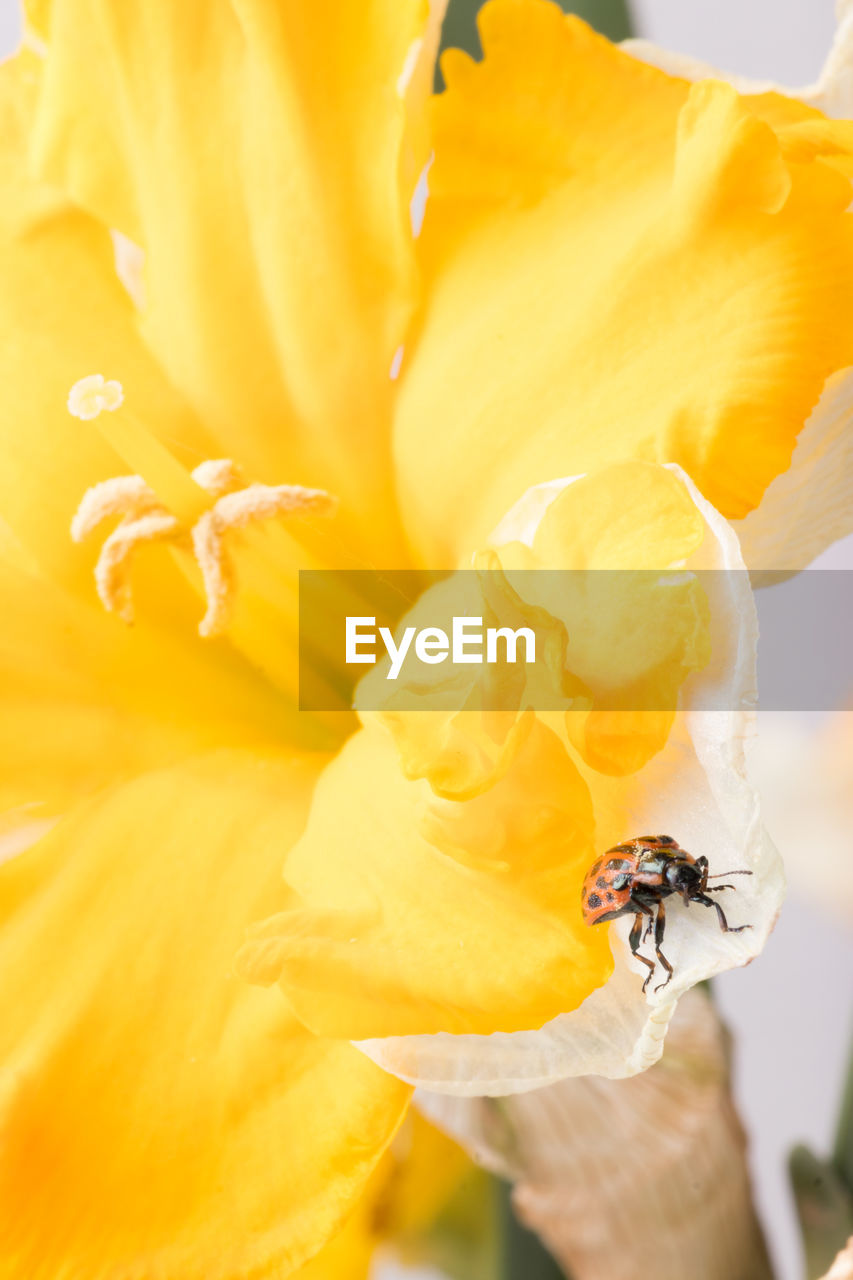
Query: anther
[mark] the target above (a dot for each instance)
(112, 572)
(145, 518)
(236, 510)
(127, 496)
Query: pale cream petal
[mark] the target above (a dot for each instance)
(810, 505)
(687, 67)
(831, 93)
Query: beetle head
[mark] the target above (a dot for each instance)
(684, 877)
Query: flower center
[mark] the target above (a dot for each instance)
(193, 512)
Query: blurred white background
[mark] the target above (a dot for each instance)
(10, 25)
(784, 40)
(791, 1012)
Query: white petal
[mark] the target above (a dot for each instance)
(697, 788)
(810, 505)
(831, 93)
(130, 267)
(533, 1136)
(686, 67)
(522, 521)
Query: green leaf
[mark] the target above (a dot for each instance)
(610, 17)
(463, 1242)
(824, 1208)
(522, 1254)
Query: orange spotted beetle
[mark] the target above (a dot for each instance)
(636, 876)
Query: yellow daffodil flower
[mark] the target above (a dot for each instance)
(509, 992)
(224, 347)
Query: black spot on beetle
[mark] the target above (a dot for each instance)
(610, 897)
(618, 864)
(602, 882)
(593, 901)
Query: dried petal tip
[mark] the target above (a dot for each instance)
(88, 397)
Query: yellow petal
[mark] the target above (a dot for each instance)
(461, 731)
(421, 1172)
(634, 634)
(85, 700)
(349, 1254)
(263, 156)
(63, 312)
(809, 506)
(631, 516)
(603, 282)
(158, 1116)
(428, 1169)
(420, 914)
(617, 632)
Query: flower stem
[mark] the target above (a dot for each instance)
(628, 1178)
(146, 456)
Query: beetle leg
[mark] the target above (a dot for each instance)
(724, 924)
(634, 941)
(647, 911)
(715, 888)
(660, 925)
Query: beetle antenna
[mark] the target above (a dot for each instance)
(721, 874)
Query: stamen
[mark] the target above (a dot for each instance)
(146, 518)
(127, 496)
(236, 510)
(140, 448)
(218, 476)
(112, 572)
